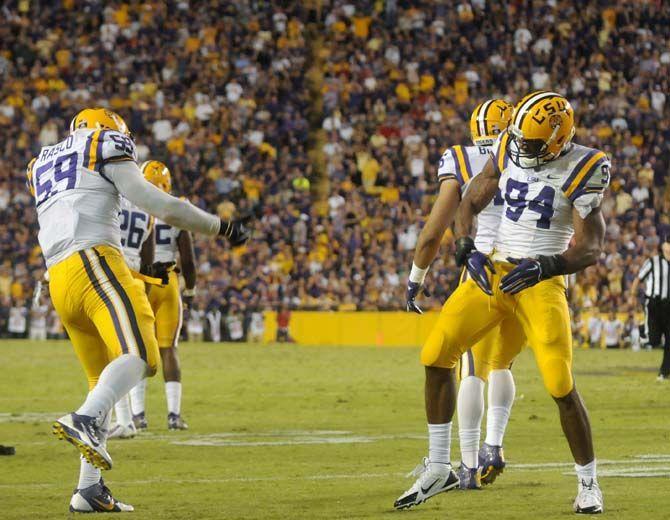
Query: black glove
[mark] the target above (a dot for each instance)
(236, 231)
(159, 270)
(475, 262)
(530, 271)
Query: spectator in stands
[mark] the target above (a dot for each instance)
(612, 331)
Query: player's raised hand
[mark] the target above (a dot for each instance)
(413, 290)
(476, 262)
(237, 231)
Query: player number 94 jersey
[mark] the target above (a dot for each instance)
(77, 205)
(537, 215)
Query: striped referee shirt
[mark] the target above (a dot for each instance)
(656, 274)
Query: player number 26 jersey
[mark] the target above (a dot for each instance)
(463, 163)
(77, 205)
(537, 216)
(135, 225)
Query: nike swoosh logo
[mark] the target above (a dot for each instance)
(554, 177)
(107, 506)
(424, 491)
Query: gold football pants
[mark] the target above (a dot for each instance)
(541, 311)
(166, 304)
(104, 309)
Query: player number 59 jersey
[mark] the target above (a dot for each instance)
(463, 163)
(538, 202)
(77, 205)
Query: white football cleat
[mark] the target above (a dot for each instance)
(432, 479)
(589, 499)
(85, 434)
(120, 431)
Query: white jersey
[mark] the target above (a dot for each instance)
(135, 225)
(538, 202)
(463, 163)
(166, 242)
(77, 205)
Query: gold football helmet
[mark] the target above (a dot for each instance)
(488, 120)
(157, 174)
(99, 118)
(542, 127)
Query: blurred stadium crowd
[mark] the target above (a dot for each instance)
(220, 93)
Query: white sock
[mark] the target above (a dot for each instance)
(137, 397)
(88, 474)
(587, 472)
(501, 398)
(115, 381)
(470, 415)
(173, 396)
(122, 411)
(439, 443)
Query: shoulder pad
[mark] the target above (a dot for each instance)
(499, 152)
(591, 174)
(105, 146)
(455, 164)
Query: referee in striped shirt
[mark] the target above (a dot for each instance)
(655, 274)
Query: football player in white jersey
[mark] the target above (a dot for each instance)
(166, 302)
(458, 166)
(76, 185)
(551, 226)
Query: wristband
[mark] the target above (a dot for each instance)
(418, 275)
(552, 265)
(188, 292)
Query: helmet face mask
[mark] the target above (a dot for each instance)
(527, 153)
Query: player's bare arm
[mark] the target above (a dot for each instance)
(480, 192)
(147, 251)
(187, 262)
(440, 218)
(588, 243)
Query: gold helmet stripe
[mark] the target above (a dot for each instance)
(524, 109)
(481, 117)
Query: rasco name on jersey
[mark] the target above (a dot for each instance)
(537, 216)
(463, 163)
(135, 225)
(77, 205)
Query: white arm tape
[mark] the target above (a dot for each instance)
(418, 275)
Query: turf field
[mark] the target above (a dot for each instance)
(281, 432)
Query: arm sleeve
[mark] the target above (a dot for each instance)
(128, 179)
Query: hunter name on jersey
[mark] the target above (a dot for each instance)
(538, 202)
(463, 163)
(77, 205)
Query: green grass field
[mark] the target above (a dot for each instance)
(286, 432)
